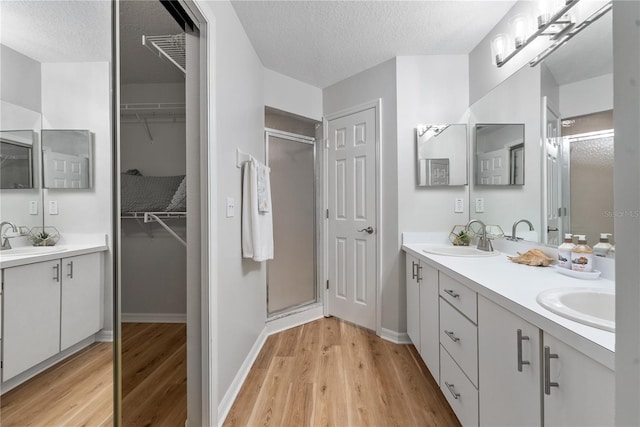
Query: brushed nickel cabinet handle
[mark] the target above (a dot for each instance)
(413, 270)
(452, 390)
(70, 273)
(56, 268)
(418, 275)
(521, 338)
(453, 293)
(547, 370)
(452, 336)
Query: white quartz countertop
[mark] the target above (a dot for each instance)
(515, 287)
(66, 250)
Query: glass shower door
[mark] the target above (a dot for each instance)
(291, 275)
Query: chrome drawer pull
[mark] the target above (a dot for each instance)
(70, 265)
(452, 390)
(413, 270)
(57, 270)
(452, 293)
(418, 275)
(521, 338)
(547, 370)
(452, 336)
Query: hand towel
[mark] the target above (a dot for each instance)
(264, 188)
(257, 227)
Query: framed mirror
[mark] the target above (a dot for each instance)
(66, 159)
(16, 159)
(441, 153)
(499, 154)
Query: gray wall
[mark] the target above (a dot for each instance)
(626, 54)
(15, 67)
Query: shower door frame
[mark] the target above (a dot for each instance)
(301, 139)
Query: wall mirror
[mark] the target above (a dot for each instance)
(16, 159)
(441, 154)
(66, 159)
(576, 81)
(499, 154)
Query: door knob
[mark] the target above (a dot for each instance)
(368, 230)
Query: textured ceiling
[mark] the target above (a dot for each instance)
(323, 42)
(57, 31)
(589, 54)
(138, 64)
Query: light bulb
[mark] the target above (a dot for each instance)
(499, 46)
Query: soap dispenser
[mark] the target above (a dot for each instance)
(582, 256)
(564, 251)
(603, 247)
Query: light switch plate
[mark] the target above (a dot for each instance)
(231, 207)
(479, 204)
(53, 207)
(459, 207)
(33, 207)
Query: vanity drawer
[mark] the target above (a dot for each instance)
(460, 338)
(460, 296)
(458, 390)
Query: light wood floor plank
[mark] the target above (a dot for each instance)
(331, 373)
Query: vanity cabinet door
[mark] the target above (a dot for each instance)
(31, 316)
(429, 319)
(577, 390)
(81, 298)
(413, 300)
(509, 367)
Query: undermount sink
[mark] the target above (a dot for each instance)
(31, 250)
(590, 306)
(461, 251)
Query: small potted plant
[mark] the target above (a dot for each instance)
(460, 236)
(43, 236)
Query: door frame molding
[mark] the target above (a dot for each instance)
(376, 104)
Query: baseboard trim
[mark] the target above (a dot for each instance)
(300, 318)
(104, 336)
(230, 396)
(153, 318)
(395, 337)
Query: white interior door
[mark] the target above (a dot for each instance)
(352, 234)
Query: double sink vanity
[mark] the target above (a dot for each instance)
(51, 305)
(511, 344)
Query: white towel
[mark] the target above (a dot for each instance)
(257, 227)
(264, 189)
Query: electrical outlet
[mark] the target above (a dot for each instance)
(459, 207)
(33, 207)
(53, 207)
(231, 207)
(479, 204)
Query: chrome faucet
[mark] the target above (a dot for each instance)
(484, 243)
(5, 239)
(515, 225)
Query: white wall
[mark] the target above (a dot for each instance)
(431, 89)
(587, 96)
(153, 275)
(78, 96)
(238, 118)
(288, 94)
(504, 206)
(626, 54)
(369, 85)
(21, 79)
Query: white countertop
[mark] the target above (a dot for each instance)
(69, 250)
(515, 287)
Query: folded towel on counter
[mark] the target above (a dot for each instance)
(257, 227)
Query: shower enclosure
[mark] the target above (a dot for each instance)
(291, 275)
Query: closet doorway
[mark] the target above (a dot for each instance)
(290, 146)
(160, 154)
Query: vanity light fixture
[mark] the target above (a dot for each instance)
(552, 20)
(436, 129)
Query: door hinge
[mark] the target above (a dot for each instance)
(327, 213)
(327, 284)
